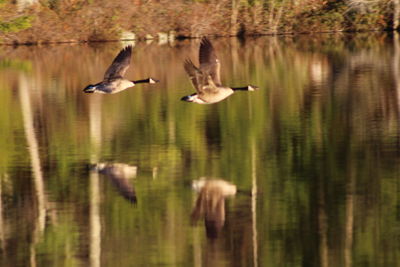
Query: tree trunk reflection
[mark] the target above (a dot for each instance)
(95, 221)
(33, 148)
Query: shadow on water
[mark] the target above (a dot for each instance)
(316, 149)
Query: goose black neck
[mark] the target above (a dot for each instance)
(245, 88)
(142, 81)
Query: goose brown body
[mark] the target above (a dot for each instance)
(206, 79)
(114, 81)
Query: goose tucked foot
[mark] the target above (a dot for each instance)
(90, 88)
(148, 80)
(246, 88)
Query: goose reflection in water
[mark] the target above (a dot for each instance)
(119, 174)
(210, 203)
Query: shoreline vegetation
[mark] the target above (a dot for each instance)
(64, 21)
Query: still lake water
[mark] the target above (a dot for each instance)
(313, 155)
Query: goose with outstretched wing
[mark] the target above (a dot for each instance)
(206, 79)
(114, 80)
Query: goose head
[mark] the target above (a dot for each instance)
(252, 87)
(152, 80)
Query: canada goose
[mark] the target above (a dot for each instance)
(119, 174)
(206, 79)
(210, 203)
(114, 81)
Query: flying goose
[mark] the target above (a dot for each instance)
(114, 81)
(206, 79)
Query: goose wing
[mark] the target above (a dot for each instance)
(120, 64)
(119, 175)
(123, 187)
(209, 63)
(195, 75)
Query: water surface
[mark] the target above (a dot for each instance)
(313, 155)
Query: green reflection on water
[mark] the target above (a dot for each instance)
(318, 143)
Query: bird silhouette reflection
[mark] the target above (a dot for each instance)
(119, 174)
(210, 203)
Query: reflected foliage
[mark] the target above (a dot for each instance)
(324, 129)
